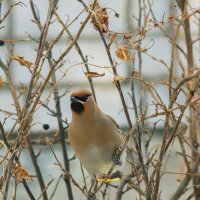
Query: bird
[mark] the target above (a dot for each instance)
(94, 135)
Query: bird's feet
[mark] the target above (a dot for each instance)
(91, 196)
(117, 155)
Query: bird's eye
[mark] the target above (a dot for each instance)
(83, 98)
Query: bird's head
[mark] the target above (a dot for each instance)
(81, 101)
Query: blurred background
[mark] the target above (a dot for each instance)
(20, 28)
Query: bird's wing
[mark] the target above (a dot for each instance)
(113, 121)
(119, 130)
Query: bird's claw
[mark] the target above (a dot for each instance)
(91, 196)
(116, 156)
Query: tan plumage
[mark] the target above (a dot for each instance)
(93, 135)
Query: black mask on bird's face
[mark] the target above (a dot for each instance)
(77, 103)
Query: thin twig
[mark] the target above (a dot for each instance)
(118, 85)
(55, 188)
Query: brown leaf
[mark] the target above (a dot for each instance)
(93, 74)
(99, 17)
(21, 173)
(123, 54)
(22, 61)
(1, 81)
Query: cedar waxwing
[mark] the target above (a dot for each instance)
(93, 135)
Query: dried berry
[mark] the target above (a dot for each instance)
(2, 42)
(45, 126)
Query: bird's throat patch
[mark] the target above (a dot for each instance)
(77, 107)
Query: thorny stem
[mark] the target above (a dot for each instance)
(11, 85)
(62, 135)
(81, 55)
(165, 143)
(16, 160)
(26, 120)
(37, 61)
(18, 109)
(58, 112)
(118, 85)
(141, 104)
(191, 82)
(184, 183)
(42, 88)
(183, 7)
(37, 168)
(172, 60)
(64, 171)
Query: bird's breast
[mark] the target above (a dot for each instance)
(96, 160)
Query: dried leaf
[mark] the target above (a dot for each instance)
(123, 54)
(93, 74)
(1, 81)
(21, 173)
(99, 17)
(22, 61)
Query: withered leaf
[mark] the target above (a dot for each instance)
(93, 74)
(99, 17)
(123, 54)
(22, 61)
(21, 173)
